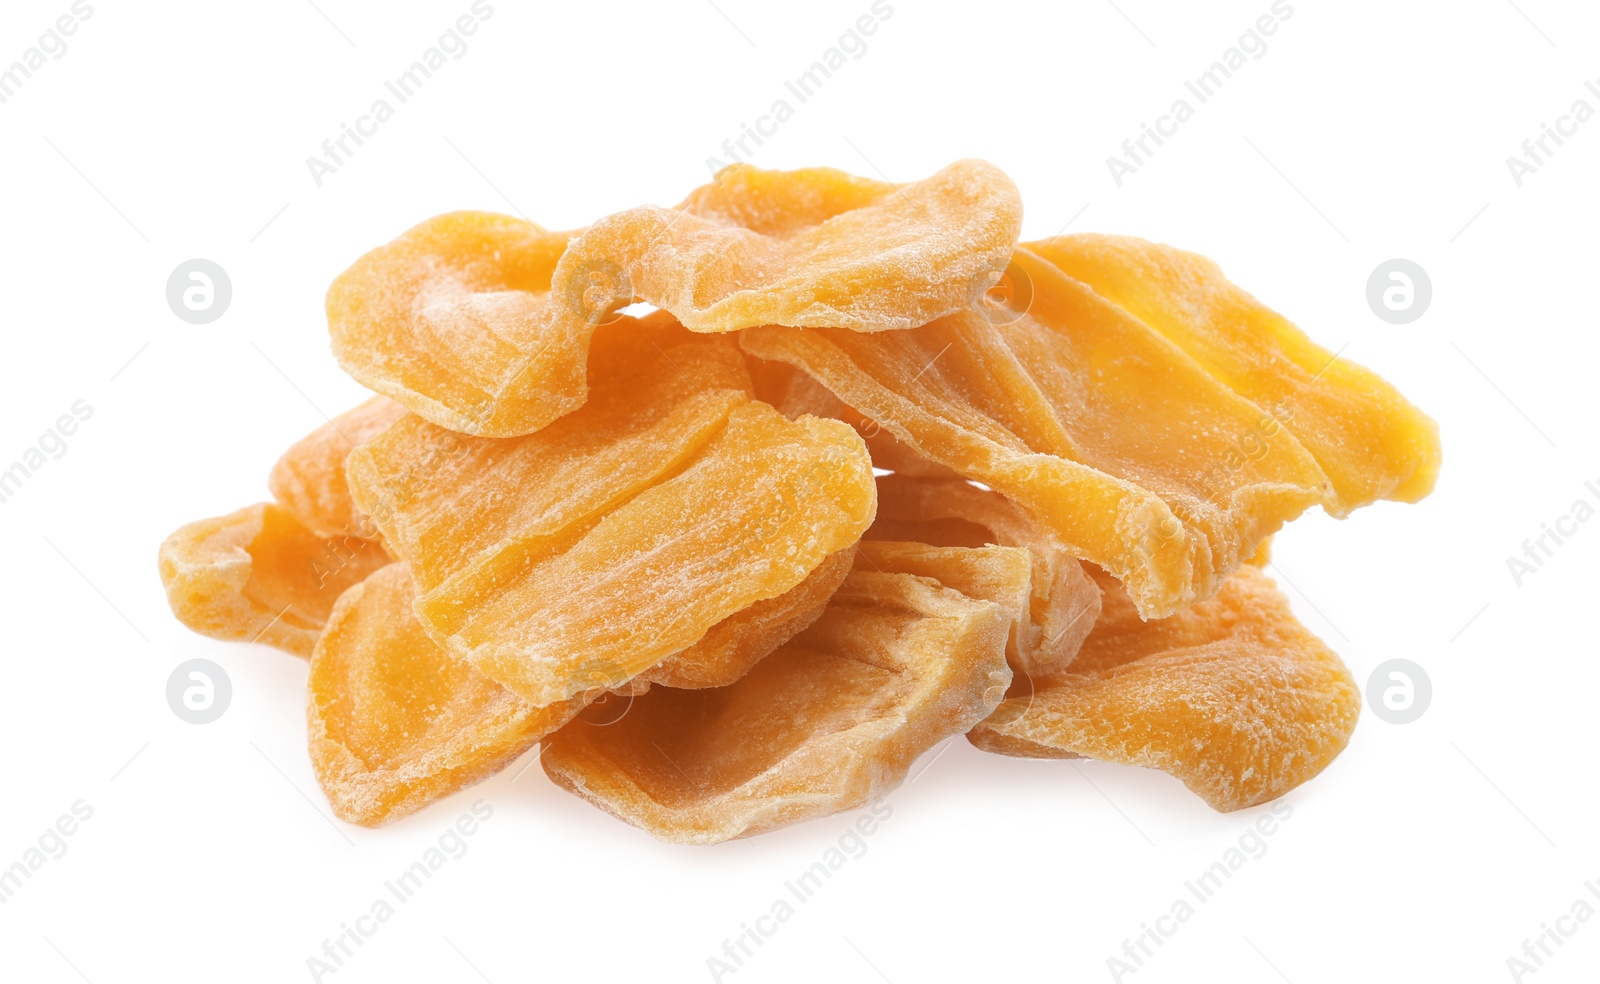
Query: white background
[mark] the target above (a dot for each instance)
(1368, 130)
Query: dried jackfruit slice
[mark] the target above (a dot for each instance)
(1233, 696)
(808, 247)
(731, 647)
(830, 721)
(1372, 443)
(451, 504)
(749, 518)
(396, 722)
(1100, 428)
(1064, 601)
(309, 479)
(446, 318)
(258, 575)
(794, 393)
(985, 572)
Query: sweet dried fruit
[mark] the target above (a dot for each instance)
(449, 503)
(1372, 443)
(830, 721)
(1233, 696)
(751, 517)
(309, 479)
(1102, 429)
(257, 575)
(986, 572)
(396, 722)
(794, 393)
(731, 647)
(623, 532)
(1063, 601)
(447, 319)
(808, 247)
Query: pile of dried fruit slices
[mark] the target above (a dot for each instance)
(871, 474)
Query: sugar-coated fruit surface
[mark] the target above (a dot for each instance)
(809, 247)
(830, 721)
(757, 510)
(394, 721)
(309, 480)
(456, 506)
(258, 575)
(1232, 696)
(731, 647)
(668, 446)
(795, 393)
(447, 319)
(657, 545)
(490, 523)
(985, 572)
(1102, 429)
(1372, 443)
(1063, 602)
(814, 247)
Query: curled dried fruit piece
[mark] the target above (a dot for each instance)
(749, 518)
(396, 722)
(1064, 601)
(731, 647)
(794, 393)
(1103, 430)
(257, 575)
(1370, 440)
(309, 479)
(830, 721)
(447, 320)
(450, 504)
(1233, 696)
(808, 247)
(985, 572)
(623, 532)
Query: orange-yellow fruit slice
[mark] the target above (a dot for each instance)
(1108, 434)
(447, 319)
(258, 575)
(396, 722)
(1063, 601)
(731, 647)
(829, 722)
(1372, 443)
(750, 518)
(1233, 696)
(309, 479)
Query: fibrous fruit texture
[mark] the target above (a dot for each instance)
(1063, 602)
(830, 721)
(396, 722)
(258, 575)
(1109, 434)
(1370, 441)
(871, 475)
(623, 533)
(1232, 696)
